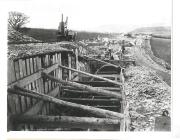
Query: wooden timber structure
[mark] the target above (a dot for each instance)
(45, 93)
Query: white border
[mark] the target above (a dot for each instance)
(91, 135)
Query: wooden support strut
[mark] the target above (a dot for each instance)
(105, 88)
(92, 75)
(83, 87)
(44, 97)
(67, 122)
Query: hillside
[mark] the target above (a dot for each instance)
(161, 30)
(50, 34)
(161, 48)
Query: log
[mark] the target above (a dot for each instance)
(96, 83)
(91, 75)
(92, 102)
(93, 110)
(67, 122)
(105, 88)
(75, 91)
(83, 87)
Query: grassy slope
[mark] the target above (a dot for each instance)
(50, 34)
(161, 48)
(154, 30)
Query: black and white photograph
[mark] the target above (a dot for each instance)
(89, 65)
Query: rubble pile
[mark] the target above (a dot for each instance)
(147, 96)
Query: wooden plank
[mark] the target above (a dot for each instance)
(31, 65)
(35, 76)
(16, 67)
(28, 66)
(43, 110)
(47, 108)
(47, 60)
(96, 111)
(53, 59)
(92, 102)
(38, 60)
(49, 86)
(34, 89)
(97, 83)
(21, 68)
(60, 63)
(68, 122)
(24, 67)
(37, 86)
(11, 72)
(35, 64)
(76, 53)
(42, 85)
(11, 104)
(23, 100)
(69, 66)
(31, 99)
(46, 87)
(17, 104)
(105, 88)
(28, 98)
(55, 75)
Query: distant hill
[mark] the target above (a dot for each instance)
(160, 30)
(50, 34)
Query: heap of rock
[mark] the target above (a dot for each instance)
(147, 96)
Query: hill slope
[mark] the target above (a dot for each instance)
(154, 30)
(50, 34)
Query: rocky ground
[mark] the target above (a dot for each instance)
(147, 96)
(147, 93)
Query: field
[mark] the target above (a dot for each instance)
(50, 34)
(161, 48)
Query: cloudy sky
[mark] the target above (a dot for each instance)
(95, 15)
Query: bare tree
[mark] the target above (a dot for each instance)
(17, 20)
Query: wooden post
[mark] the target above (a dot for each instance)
(97, 111)
(59, 62)
(11, 72)
(69, 65)
(77, 62)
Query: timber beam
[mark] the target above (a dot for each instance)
(97, 111)
(41, 121)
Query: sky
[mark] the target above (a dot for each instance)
(95, 15)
